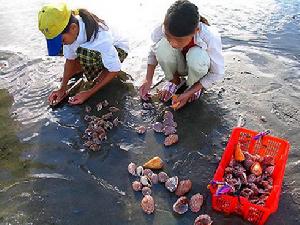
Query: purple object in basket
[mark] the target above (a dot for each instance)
(261, 134)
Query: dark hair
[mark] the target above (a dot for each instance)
(91, 21)
(182, 18)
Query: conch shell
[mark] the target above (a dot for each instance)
(155, 163)
(238, 153)
(256, 169)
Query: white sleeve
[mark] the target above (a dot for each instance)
(69, 52)
(216, 71)
(156, 36)
(110, 57)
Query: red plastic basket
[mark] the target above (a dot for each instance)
(267, 145)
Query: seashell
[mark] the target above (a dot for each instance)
(203, 219)
(97, 141)
(163, 177)
(270, 180)
(181, 205)
(148, 173)
(169, 130)
(116, 121)
(184, 187)
(196, 202)
(94, 147)
(104, 103)
(172, 183)
(238, 153)
(132, 168)
(113, 109)
(268, 160)
(171, 139)
(102, 136)
(246, 192)
(108, 125)
(147, 204)
(140, 129)
(137, 186)
(158, 127)
(87, 118)
(140, 171)
(147, 106)
(88, 109)
(154, 163)
(154, 178)
(251, 178)
(254, 188)
(107, 116)
(146, 191)
(145, 181)
(248, 156)
(257, 158)
(228, 170)
(87, 144)
(248, 163)
(256, 169)
(168, 116)
(269, 170)
(99, 106)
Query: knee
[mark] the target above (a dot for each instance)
(164, 52)
(198, 60)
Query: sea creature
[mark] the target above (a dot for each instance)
(203, 219)
(162, 177)
(171, 139)
(107, 116)
(105, 103)
(99, 106)
(140, 130)
(146, 191)
(268, 160)
(113, 109)
(137, 186)
(116, 121)
(256, 169)
(140, 171)
(172, 183)
(196, 202)
(154, 178)
(146, 181)
(154, 163)
(181, 205)
(148, 172)
(238, 153)
(158, 127)
(147, 204)
(132, 168)
(88, 109)
(169, 130)
(184, 187)
(269, 170)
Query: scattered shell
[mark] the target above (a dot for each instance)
(256, 169)
(105, 103)
(147, 106)
(184, 187)
(107, 116)
(154, 163)
(196, 202)
(88, 109)
(147, 204)
(203, 219)
(171, 139)
(163, 177)
(95, 147)
(137, 186)
(87, 118)
(158, 127)
(172, 183)
(99, 106)
(113, 109)
(146, 191)
(181, 205)
(132, 168)
(148, 173)
(146, 181)
(263, 119)
(269, 170)
(116, 121)
(140, 171)
(154, 178)
(140, 129)
(169, 130)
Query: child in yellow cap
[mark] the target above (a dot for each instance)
(88, 45)
(184, 45)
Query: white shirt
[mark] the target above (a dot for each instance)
(208, 39)
(105, 43)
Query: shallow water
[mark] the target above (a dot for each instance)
(47, 177)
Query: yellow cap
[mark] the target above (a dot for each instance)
(53, 19)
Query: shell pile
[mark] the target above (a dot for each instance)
(98, 127)
(252, 177)
(168, 128)
(147, 178)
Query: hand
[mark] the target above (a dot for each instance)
(180, 101)
(79, 98)
(56, 96)
(145, 89)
